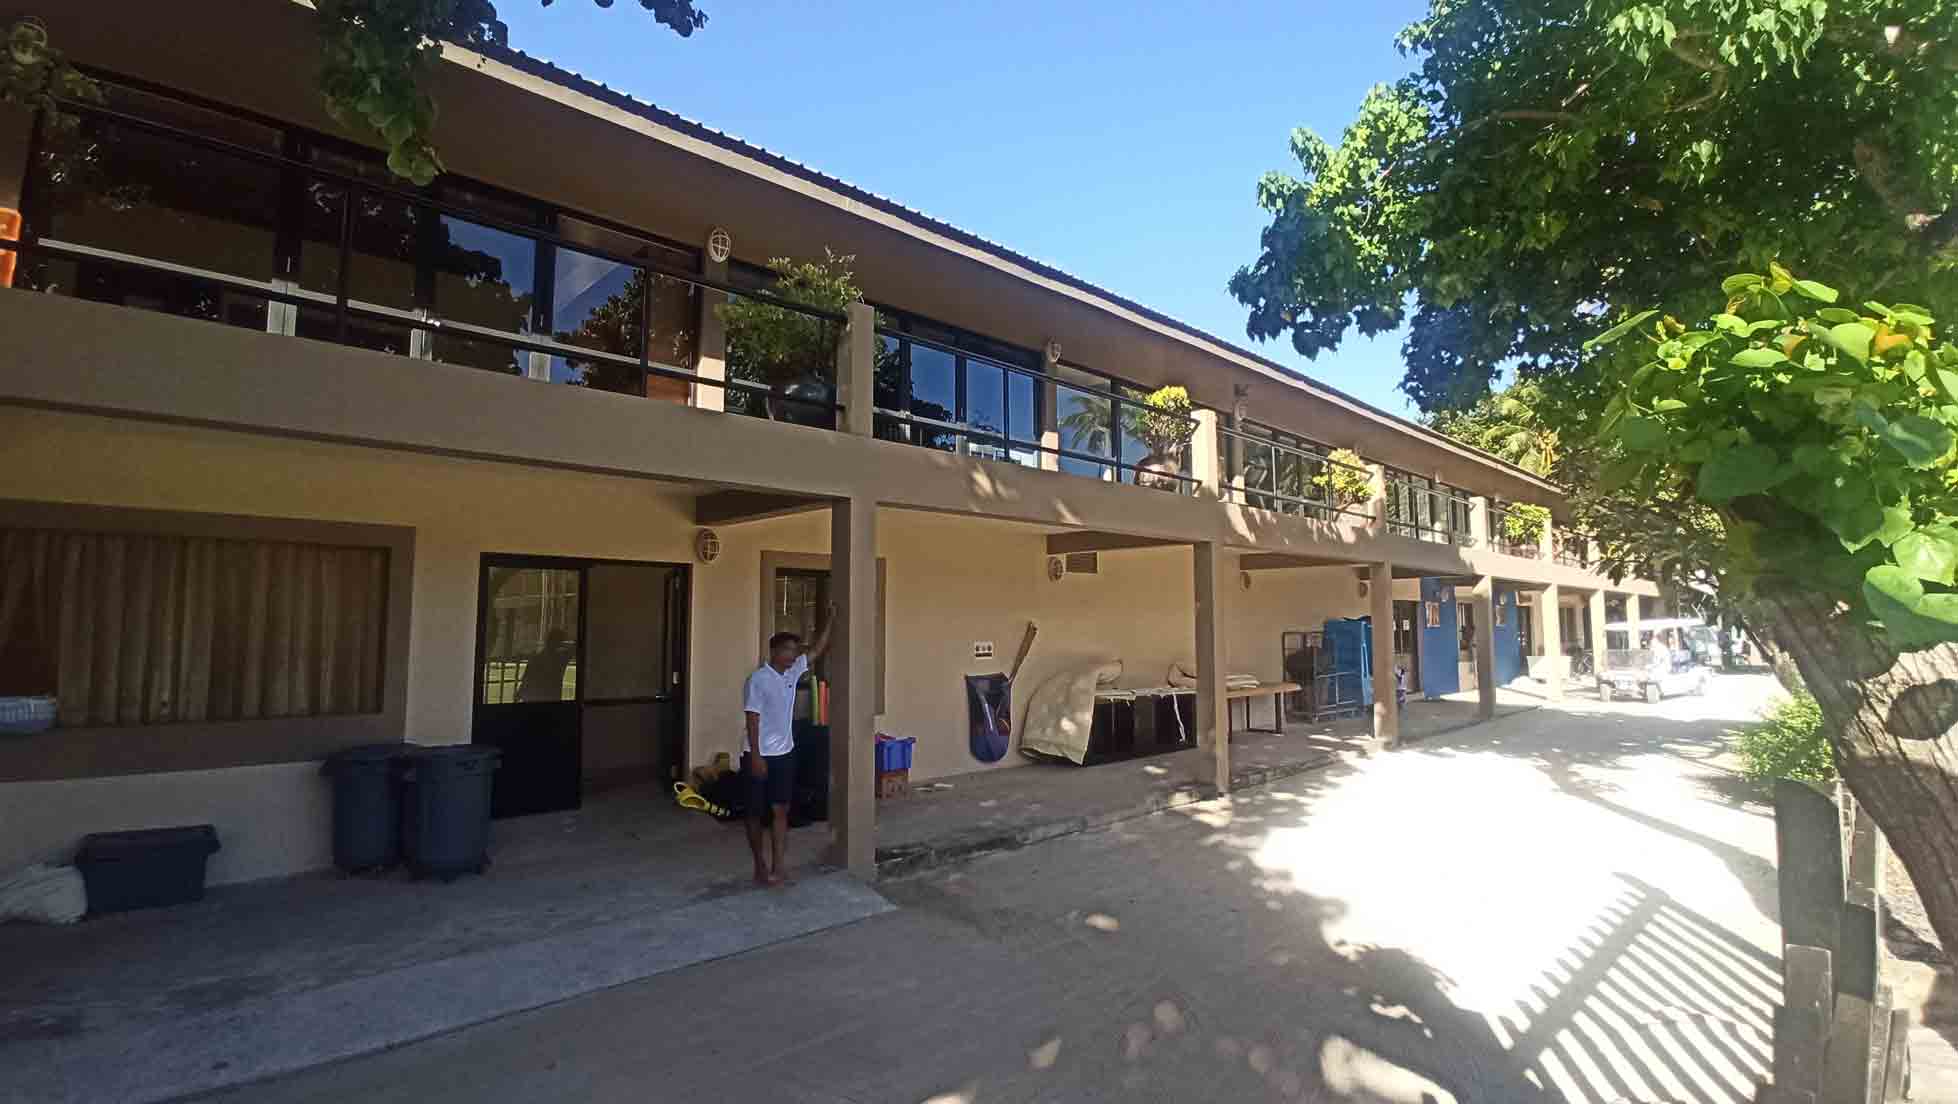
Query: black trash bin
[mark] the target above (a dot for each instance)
(445, 808)
(145, 869)
(366, 806)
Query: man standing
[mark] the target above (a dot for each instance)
(768, 758)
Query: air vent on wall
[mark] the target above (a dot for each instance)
(1084, 563)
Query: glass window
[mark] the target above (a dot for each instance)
(485, 277)
(530, 638)
(985, 397)
(599, 304)
(124, 188)
(1022, 408)
(934, 394)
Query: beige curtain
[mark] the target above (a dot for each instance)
(153, 629)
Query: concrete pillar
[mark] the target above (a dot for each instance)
(1478, 521)
(1599, 645)
(853, 686)
(1048, 403)
(1485, 646)
(1380, 602)
(1213, 709)
(1377, 499)
(1547, 541)
(1550, 603)
(1206, 455)
(711, 363)
(856, 371)
(1632, 619)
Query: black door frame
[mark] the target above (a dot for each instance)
(682, 659)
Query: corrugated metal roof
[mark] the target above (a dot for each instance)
(576, 82)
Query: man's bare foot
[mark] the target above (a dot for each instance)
(763, 878)
(775, 881)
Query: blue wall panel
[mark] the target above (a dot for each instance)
(1440, 670)
(1509, 644)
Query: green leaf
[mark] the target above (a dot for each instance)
(1897, 524)
(1743, 470)
(1852, 338)
(1759, 358)
(1948, 380)
(1857, 525)
(1836, 314)
(1921, 441)
(1731, 323)
(1666, 406)
(1620, 330)
(1735, 285)
(1930, 553)
(1912, 618)
(1820, 292)
(1642, 434)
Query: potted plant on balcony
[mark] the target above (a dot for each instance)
(1163, 422)
(793, 353)
(1522, 525)
(1345, 481)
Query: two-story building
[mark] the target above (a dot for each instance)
(296, 456)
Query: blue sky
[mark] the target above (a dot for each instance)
(1121, 142)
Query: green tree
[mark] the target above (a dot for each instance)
(1511, 424)
(1554, 162)
(785, 348)
(1820, 438)
(376, 56)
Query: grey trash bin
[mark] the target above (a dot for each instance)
(445, 808)
(366, 806)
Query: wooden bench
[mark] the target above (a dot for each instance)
(1277, 690)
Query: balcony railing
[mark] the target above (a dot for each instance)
(1570, 549)
(1099, 437)
(1499, 528)
(1273, 475)
(1426, 512)
(796, 385)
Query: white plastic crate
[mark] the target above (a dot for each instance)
(26, 715)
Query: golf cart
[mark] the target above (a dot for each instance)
(1653, 673)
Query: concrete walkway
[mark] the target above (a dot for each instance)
(1565, 905)
(1004, 809)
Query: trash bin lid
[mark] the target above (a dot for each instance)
(363, 755)
(115, 846)
(447, 760)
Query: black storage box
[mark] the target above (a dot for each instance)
(366, 805)
(445, 808)
(145, 869)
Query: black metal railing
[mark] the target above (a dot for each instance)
(343, 309)
(1095, 438)
(1569, 548)
(1427, 512)
(1273, 475)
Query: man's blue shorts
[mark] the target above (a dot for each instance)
(777, 789)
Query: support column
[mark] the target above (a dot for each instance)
(856, 372)
(1377, 499)
(1632, 612)
(1206, 458)
(712, 361)
(1050, 418)
(1386, 706)
(1478, 521)
(1599, 644)
(1551, 605)
(853, 685)
(1213, 709)
(1485, 646)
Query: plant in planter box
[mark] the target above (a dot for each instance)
(1523, 523)
(792, 352)
(1345, 482)
(1163, 423)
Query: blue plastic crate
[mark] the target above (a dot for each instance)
(894, 755)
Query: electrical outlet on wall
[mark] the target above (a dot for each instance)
(982, 649)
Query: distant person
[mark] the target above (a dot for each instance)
(768, 755)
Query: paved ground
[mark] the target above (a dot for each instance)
(1564, 905)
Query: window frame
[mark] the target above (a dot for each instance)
(113, 750)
